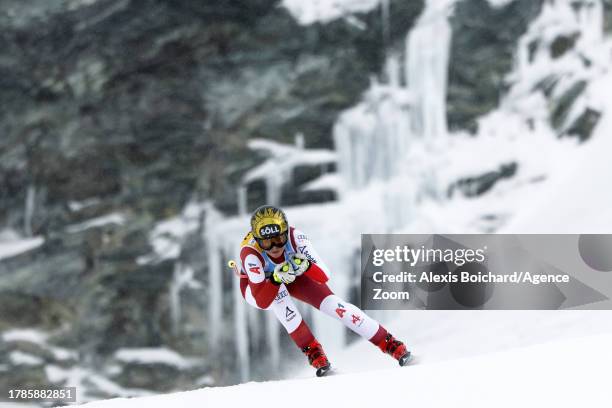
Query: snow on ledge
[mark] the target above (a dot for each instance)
(27, 335)
(15, 247)
(284, 157)
(312, 11)
(499, 3)
(20, 358)
(159, 355)
(113, 218)
(79, 205)
(76, 376)
(168, 235)
(39, 338)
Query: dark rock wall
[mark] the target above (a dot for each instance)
(482, 53)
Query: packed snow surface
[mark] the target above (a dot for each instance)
(565, 373)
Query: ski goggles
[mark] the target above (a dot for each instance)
(269, 243)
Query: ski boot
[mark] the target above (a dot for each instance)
(390, 345)
(317, 358)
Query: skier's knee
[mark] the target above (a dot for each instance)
(334, 306)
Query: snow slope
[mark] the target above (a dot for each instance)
(562, 374)
(577, 199)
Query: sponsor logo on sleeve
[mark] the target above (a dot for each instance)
(340, 310)
(282, 294)
(305, 252)
(289, 314)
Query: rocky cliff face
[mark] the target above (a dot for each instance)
(120, 111)
(482, 54)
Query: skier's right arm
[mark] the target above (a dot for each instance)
(263, 290)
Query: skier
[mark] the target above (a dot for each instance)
(279, 264)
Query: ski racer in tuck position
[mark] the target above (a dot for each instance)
(279, 264)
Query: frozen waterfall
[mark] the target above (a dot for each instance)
(215, 278)
(29, 210)
(390, 136)
(427, 56)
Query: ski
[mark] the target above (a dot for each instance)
(406, 359)
(322, 371)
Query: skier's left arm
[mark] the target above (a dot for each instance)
(302, 244)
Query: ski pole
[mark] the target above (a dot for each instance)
(234, 266)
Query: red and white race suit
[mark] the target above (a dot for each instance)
(262, 292)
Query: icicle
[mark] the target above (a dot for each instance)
(386, 26)
(215, 295)
(242, 199)
(241, 332)
(175, 299)
(274, 183)
(299, 140)
(522, 57)
(272, 334)
(393, 71)
(182, 278)
(427, 70)
(591, 20)
(254, 319)
(372, 139)
(29, 210)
